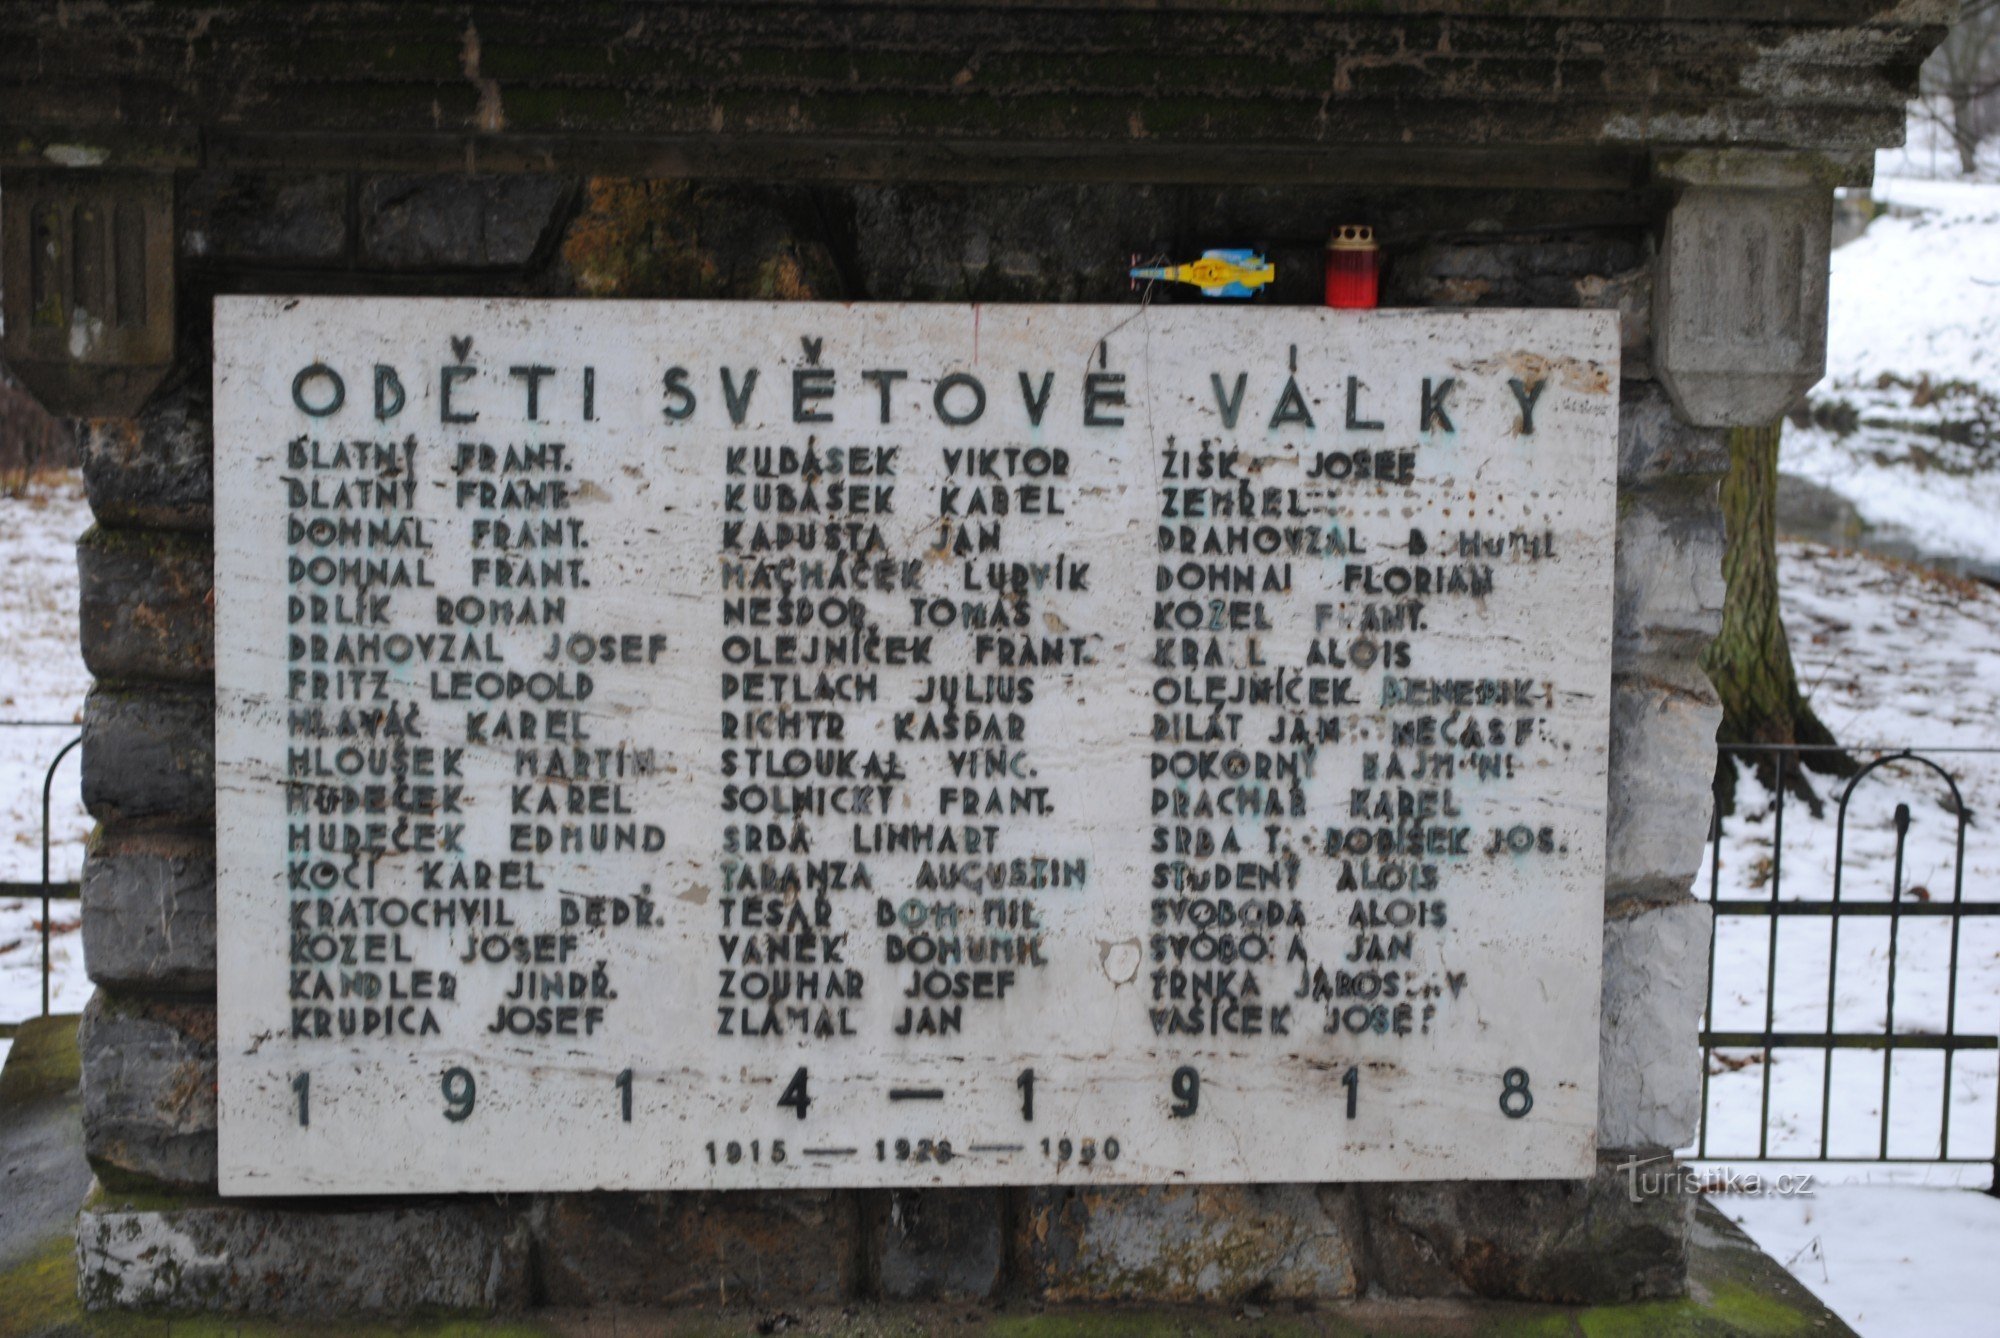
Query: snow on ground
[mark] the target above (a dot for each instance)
(1897, 657)
(1890, 655)
(20, 959)
(1890, 1260)
(41, 678)
(1918, 293)
(1936, 495)
(1907, 419)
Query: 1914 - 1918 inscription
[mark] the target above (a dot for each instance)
(675, 745)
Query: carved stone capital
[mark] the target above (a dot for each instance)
(1740, 298)
(87, 277)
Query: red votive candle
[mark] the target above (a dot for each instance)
(1353, 268)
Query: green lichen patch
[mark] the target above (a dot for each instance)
(1729, 1310)
(43, 1063)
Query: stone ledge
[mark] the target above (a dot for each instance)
(1738, 1290)
(1548, 1242)
(149, 912)
(333, 1262)
(149, 1091)
(149, 755)
(1058, 81)
(1763, 170)
(147, 610)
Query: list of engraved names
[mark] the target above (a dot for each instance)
(673, 745)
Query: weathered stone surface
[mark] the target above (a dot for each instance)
(1511, 271)
(149, 755)
(325, 1263)
(676, 1249)
(1605, 271)
(1056, 240)
(1740, 313)
(1029, 244)
(1762, 169)
(154, 471)
(1669, 588)
(146, 608)
(682, 239)
(1190, 1243)
(1655, 442)
(264, 217)
(938, 1244)
(810, 92)
(1663, 720)
(459, 222)
(1630, 294)
(1655, 980)
(1580, 1242)
(149, 912)
(149, 1090)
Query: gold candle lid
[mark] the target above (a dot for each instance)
(1352, 237)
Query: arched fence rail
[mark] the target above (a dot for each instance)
(47, 889)
(1805, 1132)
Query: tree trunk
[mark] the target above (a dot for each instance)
(1965, 135)
(1750, 661)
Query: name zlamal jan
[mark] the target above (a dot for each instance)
(717, 745)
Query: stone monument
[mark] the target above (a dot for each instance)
(890, 764)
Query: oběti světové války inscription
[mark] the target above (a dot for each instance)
(682, 745)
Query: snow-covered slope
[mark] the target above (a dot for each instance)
(1907, 422)
(1890, 655)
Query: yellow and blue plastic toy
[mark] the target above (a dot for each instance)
(1233, 272)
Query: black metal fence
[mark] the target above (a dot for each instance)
(47, 887)
(1834, 905)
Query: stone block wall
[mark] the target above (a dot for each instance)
(156, 1235)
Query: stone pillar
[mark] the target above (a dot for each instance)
(148, 1036)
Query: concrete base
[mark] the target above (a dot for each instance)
(1736, 1290)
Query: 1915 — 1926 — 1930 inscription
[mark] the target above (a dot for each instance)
(734, 744)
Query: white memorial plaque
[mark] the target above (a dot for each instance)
(686, 745)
